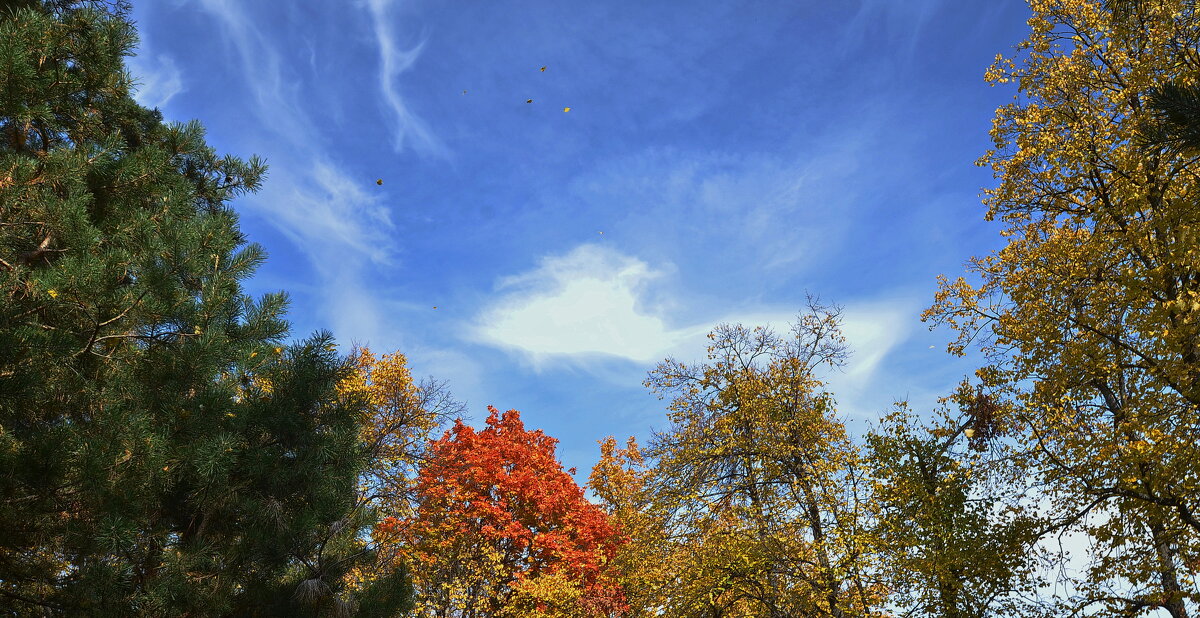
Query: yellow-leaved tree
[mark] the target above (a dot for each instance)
(1090, 314)
(401, 415)
(644, 565)
(754, 500)
(957, 540)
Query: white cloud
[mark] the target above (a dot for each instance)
(393, 62)
(158, 79)
(582, 303)
(595, 302)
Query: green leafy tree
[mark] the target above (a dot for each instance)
(162, 451)
(955, 542)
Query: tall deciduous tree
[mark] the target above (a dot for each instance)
(1091, 312)
(765, 492)
(162, 452)
(501, 529)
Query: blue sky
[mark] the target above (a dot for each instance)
(719, 161)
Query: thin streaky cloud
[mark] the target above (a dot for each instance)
(323, 209)
(410, 130)
(316, 203)
(157, 77)
(277, 104)
(341, 227)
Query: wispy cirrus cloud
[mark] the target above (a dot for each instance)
(158, 79)
(319, 206)
(732, 204)
(277, 99)
(409, 129)
(326, 211)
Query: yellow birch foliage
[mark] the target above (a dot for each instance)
(762, 491)
(401, 416)
(1090, 314)
(644, 564)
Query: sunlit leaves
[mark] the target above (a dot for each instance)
(398, 417)
(1089, 314)
(501, 529)
(755, 498)
(956, 542)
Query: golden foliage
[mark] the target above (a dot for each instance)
(754, 504)
(400, 416)
(1090, 314)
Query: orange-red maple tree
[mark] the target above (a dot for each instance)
(500, 529)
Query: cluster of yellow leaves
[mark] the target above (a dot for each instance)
(550, 595)
(645, 564)
(399, 420)
(400, 416)
(466, 587)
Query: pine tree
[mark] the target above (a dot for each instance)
(162, 450)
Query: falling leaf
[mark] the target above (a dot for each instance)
(543, 69)
(600, 233)
(464, 92)
(566, 109)
(529, 100)
(379, 182)
(435, 306)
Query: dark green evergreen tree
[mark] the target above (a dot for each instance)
(162, 450)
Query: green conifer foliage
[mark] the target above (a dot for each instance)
(162, 451)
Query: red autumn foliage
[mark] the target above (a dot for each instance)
(502, 493)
